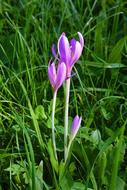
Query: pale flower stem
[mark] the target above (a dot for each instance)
(66, 117)
(53, 126)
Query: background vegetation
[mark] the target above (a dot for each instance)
(98, 93)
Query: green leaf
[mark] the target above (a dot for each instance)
(79, 186)
(99, 33)
(72, 168)
(39, 176)
(96, 137)
(65, 178)
(106, 65)
(107, 115)
(52, 157)
(15, 169)
(16, 128)
(40, 112)
(120, 184)
(101, 168)
(115, 55)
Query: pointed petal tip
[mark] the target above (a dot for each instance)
(63, 33)
(75, 126)
(53, 50)
(81, 38)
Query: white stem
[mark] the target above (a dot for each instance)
(66, 117)
(53, 126)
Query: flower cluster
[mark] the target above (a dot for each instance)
(69, 52)
(68, 55)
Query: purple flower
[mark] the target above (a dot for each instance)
(56, 77)
(69, 52)
(75, 126)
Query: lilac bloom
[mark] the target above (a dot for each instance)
(56, 77)
(69, 52)
(75, 126)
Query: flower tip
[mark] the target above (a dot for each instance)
(54, 51)
(75, 126)
(81, 38)
(53, 48)
(63, 33)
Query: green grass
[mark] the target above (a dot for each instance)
(98, 94)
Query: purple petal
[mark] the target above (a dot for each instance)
(72, 44)
(52, 73)
(64, 49)
(54, 51)
(81, 39)
(77, 53)
(75, 126)
(76, 49)
(61, 75)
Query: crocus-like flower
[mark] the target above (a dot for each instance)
(56, 77)
(69, 52)
(75, 126)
